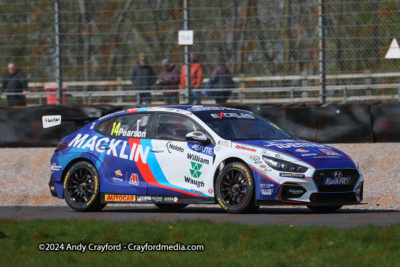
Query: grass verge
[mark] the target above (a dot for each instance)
(225, 244)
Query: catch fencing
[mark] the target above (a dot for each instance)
(271, 47)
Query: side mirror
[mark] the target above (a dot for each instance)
(198, 137)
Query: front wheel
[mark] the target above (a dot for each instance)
(82, 187)
(324, 209)
(234, 188)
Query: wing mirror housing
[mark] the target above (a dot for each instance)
(198, 137)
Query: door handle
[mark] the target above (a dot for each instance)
(103, 147)
(157, 150)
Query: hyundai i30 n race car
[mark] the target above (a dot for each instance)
(178, 155)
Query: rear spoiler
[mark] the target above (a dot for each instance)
(54, 120)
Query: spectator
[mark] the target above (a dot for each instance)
(15, 82)
(169, 80)
(196, 78)
(143, 77)
(221, 78)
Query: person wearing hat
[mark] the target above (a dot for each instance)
(169, 80)
(143, 77)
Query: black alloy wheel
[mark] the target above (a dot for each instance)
(82, 187)
(235, 188)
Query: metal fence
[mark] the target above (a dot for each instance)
(271, 47)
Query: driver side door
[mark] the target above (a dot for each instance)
(180, 167)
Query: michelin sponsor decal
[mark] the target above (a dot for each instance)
(125, 152)
(206, 150)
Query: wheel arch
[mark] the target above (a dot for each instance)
(225, 162)
(72, 162)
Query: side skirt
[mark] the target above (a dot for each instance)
(123, 198)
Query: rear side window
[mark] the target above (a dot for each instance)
(105, 127)
(132, 126)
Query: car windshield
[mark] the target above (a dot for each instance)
(241, 125)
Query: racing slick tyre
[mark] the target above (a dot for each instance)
(324, 209)
(82, 187)
(234, 188)
(171, 207)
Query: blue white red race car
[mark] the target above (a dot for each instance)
(178, 155)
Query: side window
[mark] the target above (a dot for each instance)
(105, 127)
(134, 126)
(174, 127)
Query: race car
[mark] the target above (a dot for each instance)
(173, 156)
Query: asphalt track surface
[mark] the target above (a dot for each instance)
(263, 216)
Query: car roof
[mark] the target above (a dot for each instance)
(182, 109)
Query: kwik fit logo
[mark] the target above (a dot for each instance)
(195, 170)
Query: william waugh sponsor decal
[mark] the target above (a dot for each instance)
(194, 182)
(197, 158)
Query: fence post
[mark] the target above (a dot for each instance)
(291, 95)
(186, 17)
(322, 44)
(345, 94)
(398, 91)
(58, 51)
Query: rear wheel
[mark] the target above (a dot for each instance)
(171, 207)
(324, 209)
(82, 187)
(234, 188)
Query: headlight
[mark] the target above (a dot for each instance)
(282, 165)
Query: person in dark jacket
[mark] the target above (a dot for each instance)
(143, 77)
(221, 78)
(169, 80)
(15, 82)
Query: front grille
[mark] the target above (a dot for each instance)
(333, 198)
(319, 176)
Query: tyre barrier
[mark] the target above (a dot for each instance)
(332, 123)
